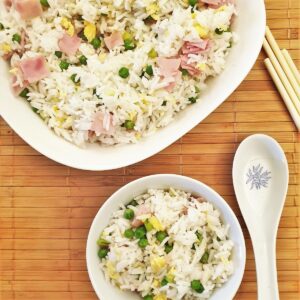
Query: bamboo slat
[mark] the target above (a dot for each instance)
(46, 209)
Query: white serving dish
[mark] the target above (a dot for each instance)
(105, 290)
(249, 25)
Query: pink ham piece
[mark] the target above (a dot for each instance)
(194, 47)
(69, 44)
(168, 67)
(142, 210)
(102, 123)
(114, 40)
(190, 67)
(217, 3)
(28, 9)
(34, 69)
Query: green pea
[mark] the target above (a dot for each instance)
(193, 2)
(83, 60)
(1, 26)
(149, 70)
(129, 233)
(102, 252)
(34, 109)
(161, 235)
(148, 297)
(24, 93)
(16, 38)
(164, 282)
(128, 124)
(124, 72)
(74, 78)
(102, 243)
(140, 232)
(193, 99)
(129, 44)
(184, 72)
(58, 54)
(168, 248)
(44, 3)
(143, 243)
(64, 65)
(128, 214)
(197, 286)
(204, 258)
(148, 226)
(96, 42)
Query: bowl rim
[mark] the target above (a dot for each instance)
(166, 177)
(147, 152)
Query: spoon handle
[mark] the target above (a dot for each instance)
(266, 272)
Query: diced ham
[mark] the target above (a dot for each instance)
(168, 67)
(169, 70)
(34, 69)
(69, 44)
(28, 9)
(194, 47)
(190, 67)
(142, 210)
(102, 123)
(114, 40)
(170, 87)
(217, 3)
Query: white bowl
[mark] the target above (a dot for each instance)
(249, 25)
(105, 290)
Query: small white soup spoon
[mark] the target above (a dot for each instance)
(260, 179)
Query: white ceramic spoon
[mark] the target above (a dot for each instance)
(260, 179)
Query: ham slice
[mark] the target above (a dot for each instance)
(69, 44)
(194, 47)
(28, 9)
(114, 40)
(169, 70)
(190, 67)
(34, 69)
(102, 123)
(168, 67)
(142, 210)
(217, 3)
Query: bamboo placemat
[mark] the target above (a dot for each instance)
(46, 209)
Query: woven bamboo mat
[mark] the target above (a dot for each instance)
(46, 209)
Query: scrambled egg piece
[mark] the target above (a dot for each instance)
(221, 8)
(153, 10)
(127, 36)
(157, 263)
(170, 276)
(156, 224)
(156, 283)
(111, 270)
(5, 48)
(202, 31)
(102, 57)
(68, 26)
(201, 66)
(160, 297)
(89, 31)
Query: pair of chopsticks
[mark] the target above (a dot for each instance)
(284, 74)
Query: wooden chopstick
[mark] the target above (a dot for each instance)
(285, 66)
(285, 96)
(291, 64)
(283, 77)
